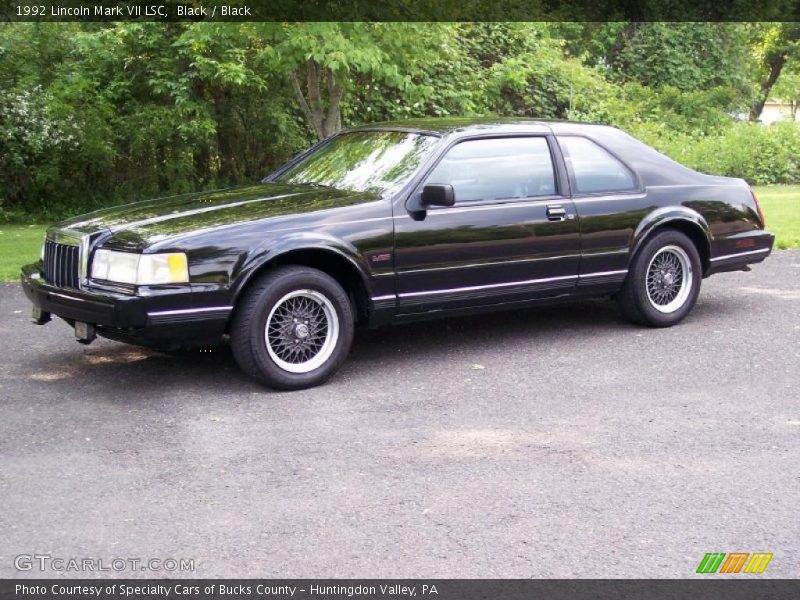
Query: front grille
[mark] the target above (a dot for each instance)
(61, 264)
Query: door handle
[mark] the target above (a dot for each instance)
(556, 212)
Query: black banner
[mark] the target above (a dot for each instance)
(711, 588)
(399, 10)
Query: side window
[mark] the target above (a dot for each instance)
(497, 169)
(594, 169)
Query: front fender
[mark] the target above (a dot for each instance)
(680, 215)
(276, 247)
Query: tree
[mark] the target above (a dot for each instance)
(323, 60)
(787, 88)
(93, 114)
(685, 56)
(776, 44)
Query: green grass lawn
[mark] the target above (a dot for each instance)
(20, 244)
(781, 206)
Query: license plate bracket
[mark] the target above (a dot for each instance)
(39, 316)
(85, 333)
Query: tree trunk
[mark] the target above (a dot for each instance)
(226, 153)
(333, 121)
(775, 65)
(323, 116)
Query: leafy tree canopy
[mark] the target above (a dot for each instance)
(99, 113)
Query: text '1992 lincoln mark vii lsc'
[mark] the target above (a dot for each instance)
(393, 222)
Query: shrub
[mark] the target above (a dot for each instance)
(760, 154)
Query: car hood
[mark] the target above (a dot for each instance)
(141, 224)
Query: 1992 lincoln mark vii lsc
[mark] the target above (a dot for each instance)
(393, 222)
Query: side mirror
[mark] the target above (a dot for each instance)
(438, 194)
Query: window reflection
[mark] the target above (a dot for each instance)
(497, 169)
(594, 169)
(363, 161)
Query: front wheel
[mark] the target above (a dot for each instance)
(663, 282)
(293, 328)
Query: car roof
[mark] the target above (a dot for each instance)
(652, 167)
(449, 125)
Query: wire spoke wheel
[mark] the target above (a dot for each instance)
(669, 279)
(301, 331)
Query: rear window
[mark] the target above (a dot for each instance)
(594, 169)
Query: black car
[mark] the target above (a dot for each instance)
(395, 222)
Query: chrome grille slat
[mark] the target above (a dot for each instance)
(59, 267)
(61, 263)
(68, 268)
(60, 255)
(47, 261)
(73, 262)
(50, 262)
(65, 262)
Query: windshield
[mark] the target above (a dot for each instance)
(363, 161)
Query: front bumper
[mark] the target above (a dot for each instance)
(165, 317)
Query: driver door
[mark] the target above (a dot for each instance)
(511, 235)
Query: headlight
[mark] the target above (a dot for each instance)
(140, 269)
(162, 268)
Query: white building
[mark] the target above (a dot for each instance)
(777, 111)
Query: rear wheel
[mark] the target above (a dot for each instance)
(293, 328)
(664, 281)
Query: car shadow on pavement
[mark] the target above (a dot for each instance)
(510, 327)
(128, 370)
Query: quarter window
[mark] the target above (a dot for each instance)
(594, 169)
(497, 169)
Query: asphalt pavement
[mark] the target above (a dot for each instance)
(551, 442)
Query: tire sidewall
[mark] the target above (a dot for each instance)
(284, 284)
(650, 314)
